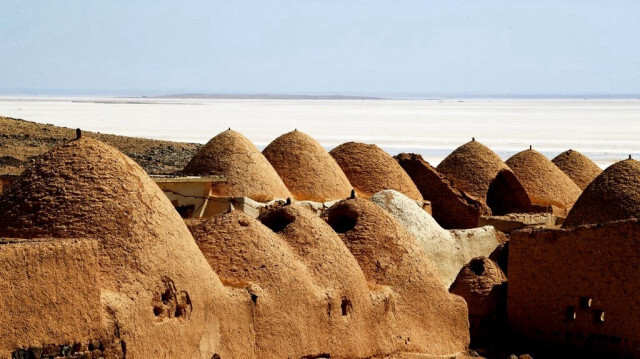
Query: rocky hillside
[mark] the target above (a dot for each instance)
(20, 141)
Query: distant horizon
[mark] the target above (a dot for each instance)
(312, 95)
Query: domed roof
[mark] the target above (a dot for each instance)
(87, 189)
(370, 170)
(306, 168)
(247, 171)
(483, 286)
(476, 281)
(356, 323)
(86, 181)
(472, 167)
(544, 182)
(613, 195)
(316, 244)
(288, 311)
(578, 167)
(478, 171)
(435, 320)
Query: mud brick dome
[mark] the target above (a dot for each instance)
(286, 304)
(370, 170)
(544, 182)
(357, 325)
(483, 286)
(247, 171)
(613, 195)
(435, 320)
(306, 168)
(578, 167)
(478, 171)
(155, 285)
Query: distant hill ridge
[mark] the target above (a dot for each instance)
(268, 97)
(21, 141)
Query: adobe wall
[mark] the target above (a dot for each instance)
(50, 299)
(451, 208)
(552, 275)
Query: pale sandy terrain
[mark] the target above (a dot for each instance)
(605, 130)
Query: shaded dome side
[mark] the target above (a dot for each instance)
(306, 168)
(507, 195)
(371, 170)
(613, 195)
(578, 167)
(247, 171)
(545, 183)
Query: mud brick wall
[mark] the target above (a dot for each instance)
(52, 286)
(577, 288)
(451, 208)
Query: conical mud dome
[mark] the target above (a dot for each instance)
(478, 171)
(472, 167)
(358, 325)
(307, 169)
(370, 170)
(545, 183)
(578, 167)
(613, 195)
(287, 310)
(483, 286)
(156, 287)
(247, 171)
(435, 320)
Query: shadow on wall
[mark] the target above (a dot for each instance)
(507, 195)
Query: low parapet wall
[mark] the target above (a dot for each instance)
(50, 297)
(514, 221)
(577, 288)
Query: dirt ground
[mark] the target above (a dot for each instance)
(21, 141)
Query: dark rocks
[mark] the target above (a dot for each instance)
(91, 350)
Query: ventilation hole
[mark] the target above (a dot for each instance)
(254, 298)
(183, 306)
(166, 297)
(277, 220)
(157, 311)
(346, 306)
(342, 221)
(477, 266)
(506, 195)
(215, 356)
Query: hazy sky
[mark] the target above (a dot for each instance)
(481, 47)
